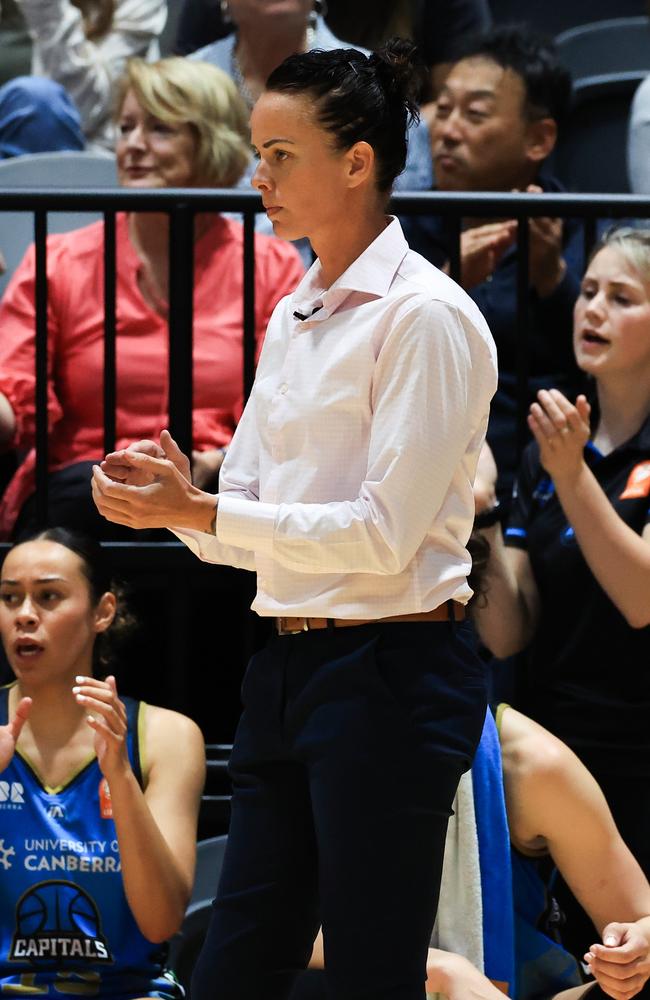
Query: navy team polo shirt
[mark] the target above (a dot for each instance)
(586, 675)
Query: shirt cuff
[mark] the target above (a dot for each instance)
(245, 524)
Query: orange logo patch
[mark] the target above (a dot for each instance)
(105, 804)
(638, 483)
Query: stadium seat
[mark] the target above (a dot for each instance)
(615, 45)
(591, 151)
(186, 944)
(47, 170)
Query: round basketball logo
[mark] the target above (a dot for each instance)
(58, 919)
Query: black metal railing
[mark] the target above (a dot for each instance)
(182, 207)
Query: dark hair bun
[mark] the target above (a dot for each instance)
(401, 72)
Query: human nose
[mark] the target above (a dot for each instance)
(594, 306)
(449, 128)
(260, 179)
(26, 613)
(135, 138)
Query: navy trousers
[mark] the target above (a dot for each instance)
(344, 768)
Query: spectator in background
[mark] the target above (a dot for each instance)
(495, 125)
(84, 45)
(181, 124)
(262, 38)
(571, 585)
(438, 26)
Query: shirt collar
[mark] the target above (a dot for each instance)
(638, 442)
(372, 273)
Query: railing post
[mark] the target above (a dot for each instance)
(249, 303)
(181, 317)
(523, 331)
(109, 332)
(41, 366)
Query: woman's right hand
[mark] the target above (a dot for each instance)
(9, 734)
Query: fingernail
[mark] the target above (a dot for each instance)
(81, 697)
(76, 690)
(80, 679)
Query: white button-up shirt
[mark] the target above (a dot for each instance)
(348, 483)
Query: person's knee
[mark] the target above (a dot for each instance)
(37, 115)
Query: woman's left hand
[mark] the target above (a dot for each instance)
(107, 718)
(561, 431)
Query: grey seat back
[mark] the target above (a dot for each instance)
(615, 45)
(46, 170)
(591, 155)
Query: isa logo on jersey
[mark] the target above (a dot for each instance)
(11, 795)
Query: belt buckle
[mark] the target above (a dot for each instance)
(283, 629)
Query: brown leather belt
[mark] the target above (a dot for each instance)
(452, 611)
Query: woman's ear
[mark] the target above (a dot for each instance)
(361, 163)
(105, 611)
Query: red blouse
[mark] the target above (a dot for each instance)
(75, 324)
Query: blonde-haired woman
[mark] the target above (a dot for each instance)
(180, 124)
(571, 584)
(84, 45)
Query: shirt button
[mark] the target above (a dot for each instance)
(283, 388)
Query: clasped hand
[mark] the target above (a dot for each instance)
(148, 485)
(482, 247)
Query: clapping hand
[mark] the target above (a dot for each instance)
(481, 249)
(561, 431)
(107, 718)
(9, 734)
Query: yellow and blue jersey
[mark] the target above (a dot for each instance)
(66, 928)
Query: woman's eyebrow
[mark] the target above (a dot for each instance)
(270, 142)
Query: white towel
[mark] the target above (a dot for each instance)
(459, 924)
